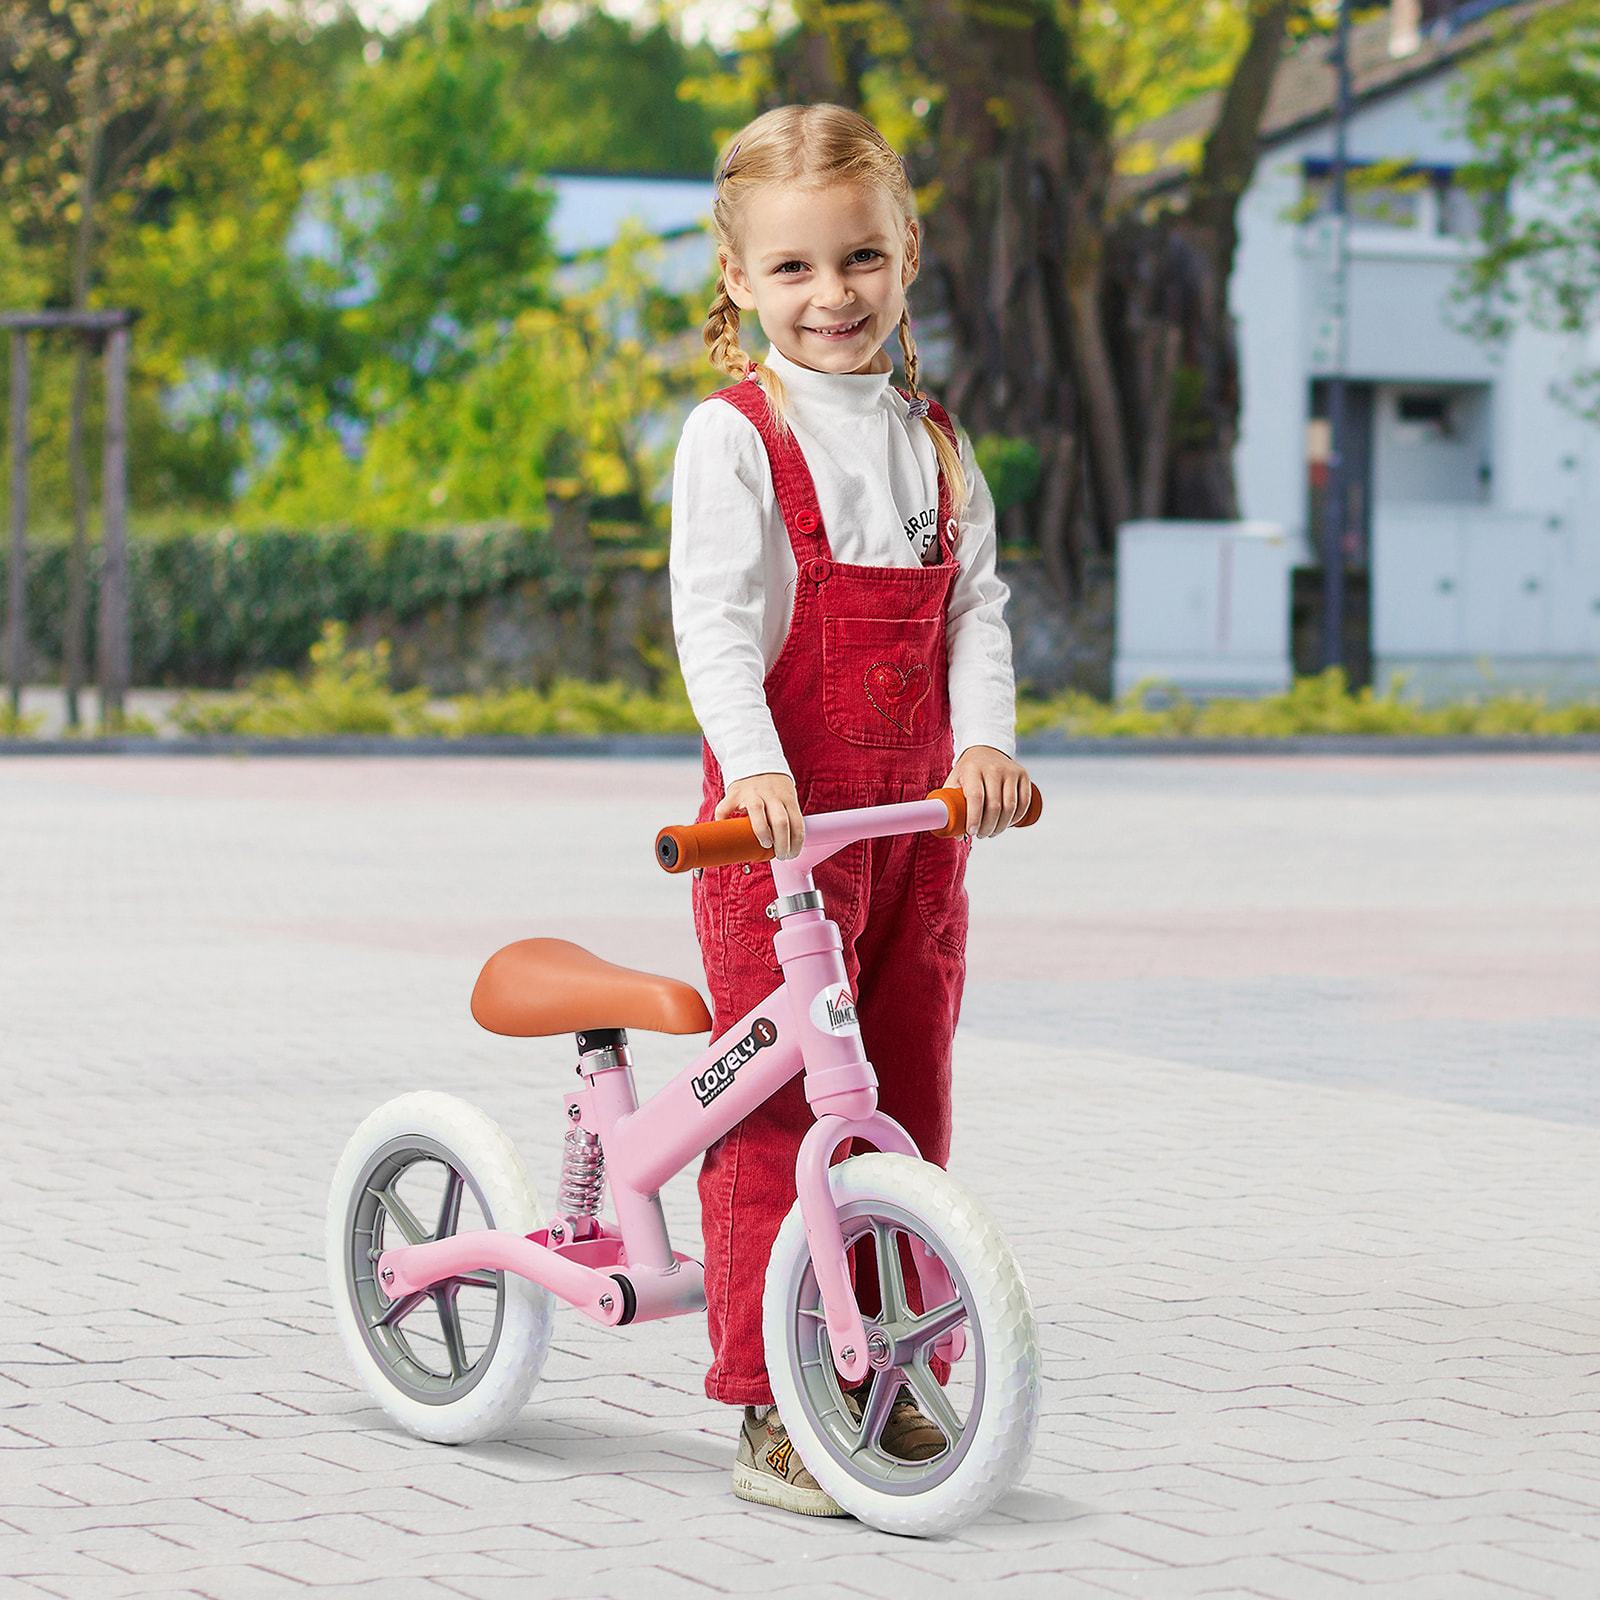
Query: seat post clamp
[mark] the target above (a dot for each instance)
(787, 904)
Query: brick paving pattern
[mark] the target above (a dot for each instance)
(1281, 1076)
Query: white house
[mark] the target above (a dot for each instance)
(1476, 494)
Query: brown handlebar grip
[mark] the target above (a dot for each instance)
(709, 844)
(955, 801)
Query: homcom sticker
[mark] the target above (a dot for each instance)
(710, 1083)
(833, 1011)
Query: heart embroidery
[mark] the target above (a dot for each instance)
(897, 691)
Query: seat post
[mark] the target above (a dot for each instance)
(607, 1067)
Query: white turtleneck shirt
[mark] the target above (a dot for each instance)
(733, 570)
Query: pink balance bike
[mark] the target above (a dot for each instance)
(443, 1270)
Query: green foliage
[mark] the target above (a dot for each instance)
(574, 708)
(438, 213)
(404, 174)
(208, 608)
(1010, 467)
(18, 725)
(1315, 705)
(1533, 111)
(347, 691)
(605, 96)
(557, 399)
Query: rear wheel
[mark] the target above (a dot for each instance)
(457, 1361)
(988, 1410)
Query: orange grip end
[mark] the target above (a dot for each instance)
(955, 802)
(709, 844)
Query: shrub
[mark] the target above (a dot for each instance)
(1316, 705)
(18, 725)
(209, 608)
(346, 691)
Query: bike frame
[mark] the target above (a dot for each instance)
(630, 1272)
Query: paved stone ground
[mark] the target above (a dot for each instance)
(1281, 1076)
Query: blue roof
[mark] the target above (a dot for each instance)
(590, 210)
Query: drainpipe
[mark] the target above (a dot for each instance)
(1337, 508)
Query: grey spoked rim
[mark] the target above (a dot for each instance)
(434, 1345)
(901, 1337)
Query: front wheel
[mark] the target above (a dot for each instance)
(457, 1361)
(988, 1410)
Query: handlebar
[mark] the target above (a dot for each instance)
(721, 844)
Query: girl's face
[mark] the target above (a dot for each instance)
(826, 271)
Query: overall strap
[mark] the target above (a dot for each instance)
(948, 527)
(791, 477)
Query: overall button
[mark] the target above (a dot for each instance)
(817, 571)
(806, 521)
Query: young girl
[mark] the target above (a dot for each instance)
(839, 623)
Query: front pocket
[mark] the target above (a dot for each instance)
(939, 875)
(883, 681)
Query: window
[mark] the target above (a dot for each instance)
(1392, 194)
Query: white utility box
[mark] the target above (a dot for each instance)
(1468, 599)
(1203, 606)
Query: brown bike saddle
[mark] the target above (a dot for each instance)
(543, 986)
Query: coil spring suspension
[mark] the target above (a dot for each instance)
(583, 1174)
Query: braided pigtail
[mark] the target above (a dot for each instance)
(948, 455)
(721, 333)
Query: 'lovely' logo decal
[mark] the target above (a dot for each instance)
(833, 1011)
(717, 1077)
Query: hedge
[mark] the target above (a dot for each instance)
(207, 609)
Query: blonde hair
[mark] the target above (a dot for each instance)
(813, 146)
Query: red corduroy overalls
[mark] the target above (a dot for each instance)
(859, 698)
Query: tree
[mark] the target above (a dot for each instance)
(439, 217)
(1533, 110)
(603, 95)
(228, 341)
(1075, 321)
(563, 399)
(95, 95)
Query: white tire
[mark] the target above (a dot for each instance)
(458, 1362)
(989, 1409)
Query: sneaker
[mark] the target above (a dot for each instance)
(769, 1472)
(907, 1435)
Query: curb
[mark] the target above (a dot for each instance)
(1333, 744)
(670, 746)
(357, 744)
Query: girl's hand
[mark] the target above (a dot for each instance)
(996, 787)
(770, 801)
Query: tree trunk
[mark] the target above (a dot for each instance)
(1176, 282)
(78, 567)
(82, 261)
(822, 60)
(1022, 159)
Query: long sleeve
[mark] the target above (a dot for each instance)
(723, 512)
(983, 695)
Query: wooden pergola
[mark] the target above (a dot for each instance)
(111, 328)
